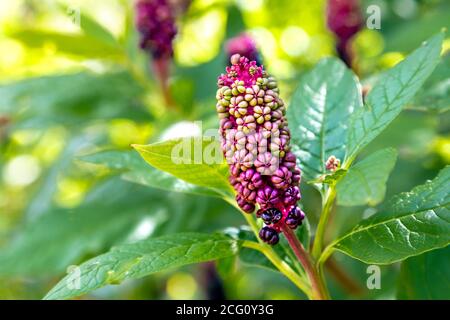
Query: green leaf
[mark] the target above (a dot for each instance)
(330, 178)
(393, 90)
(73, 97)
(134, 169)
(60, 237)
(249, 256)
(435, 93)
(91, 27)
(75, 44)
(412, 223)
(319, 113)
(142, 258)
(95, 30)
(196, 160)
(365, 182)
(425, 277)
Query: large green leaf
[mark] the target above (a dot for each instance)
(426, 276)
(73, 97)
(134, 169)
(319, 113)
(142, 258)
(392, 91)
(76, 44)
(197, 160)
(60, 237)
(435, 93)
(412, 223)
(365, 182)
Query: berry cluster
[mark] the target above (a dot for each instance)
(255, 142)
(344, 19)
(155, 22)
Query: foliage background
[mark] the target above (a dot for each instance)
(68, 91)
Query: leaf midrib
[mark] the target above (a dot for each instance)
(406, 214)
(387, 107)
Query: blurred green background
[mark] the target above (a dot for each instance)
(69, 89)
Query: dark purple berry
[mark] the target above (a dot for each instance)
(245, 205)
(291, 195)
(295, 217)
(271, 215)
(267, 196)
(269, 235)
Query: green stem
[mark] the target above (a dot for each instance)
(319, 291)
(252, 223)
(325, 255)
(270, 254)
(328, 201)
(282, 266)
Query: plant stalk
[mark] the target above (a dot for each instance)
(270, 254)
(330, 195)
(319, 291)
(282, 266)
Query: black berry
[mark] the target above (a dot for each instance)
(294, 218)
(271, 215)
(269, 235)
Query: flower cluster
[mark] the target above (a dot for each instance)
(332, 163)
(344, 19)
(255, 142)
(155, 22)
(243, 45)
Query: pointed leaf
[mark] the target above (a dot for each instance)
(319, 113)
(142, 258)
(74, 44)
(435, 93)
(392, 91)
(197, 160)
(134, 169)
(365, 182)
(413, 223)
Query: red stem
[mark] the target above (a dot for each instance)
(318, 288)
(161, 68)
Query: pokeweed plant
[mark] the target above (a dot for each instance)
(329, 125)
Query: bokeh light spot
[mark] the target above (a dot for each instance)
(390, 59)
(181, 129)
(181, 286)
(21, 171)
(71, 192)
(294, 41)
(369, 43)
